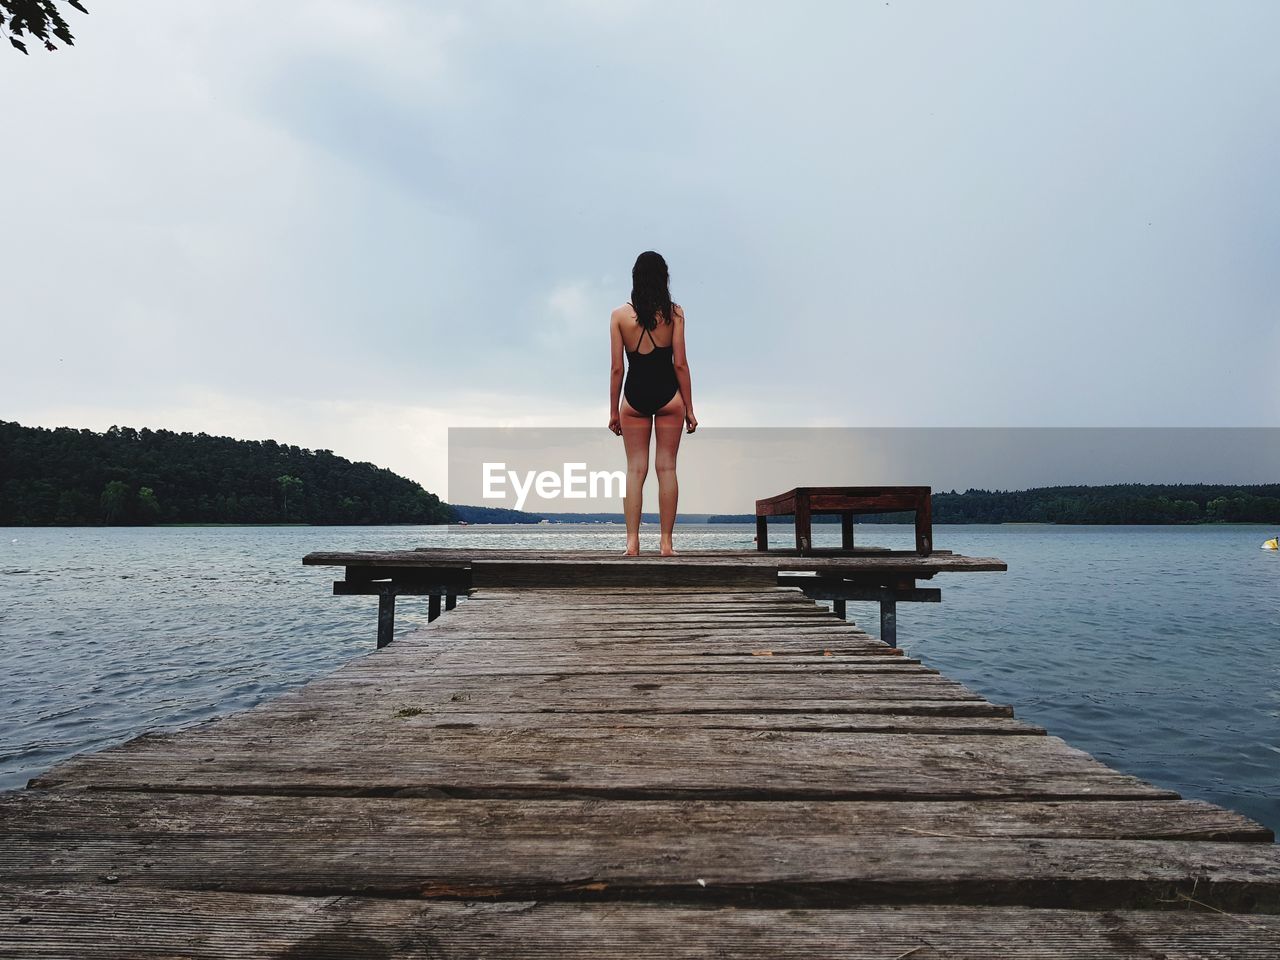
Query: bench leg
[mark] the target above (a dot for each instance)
(762, 533)
(924, 527)
(433, 607)
(839, 608)
(450, 601)
(804, 527)
(846, 530)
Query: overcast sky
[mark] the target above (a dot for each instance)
(352, 224)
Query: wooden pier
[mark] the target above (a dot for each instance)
(592, 757)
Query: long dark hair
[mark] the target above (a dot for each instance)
(650, 294)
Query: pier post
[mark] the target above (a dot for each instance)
(450, 601)
(846, 530)
(762, 533)
(889, 618)
(433, 607)
(840, 609)
(386, 616)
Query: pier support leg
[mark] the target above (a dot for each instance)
(386, 617)
(433, 607)
(450, 601)
(762, 533)
(889, 620)
(839, 608)
(846, 530)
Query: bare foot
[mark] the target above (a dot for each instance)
(667, 551)
(632, 551)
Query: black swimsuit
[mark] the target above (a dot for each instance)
(651, 377)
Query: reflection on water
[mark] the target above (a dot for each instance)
(1157, 649)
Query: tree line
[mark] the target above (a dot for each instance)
(1116, 503)
(132, 477)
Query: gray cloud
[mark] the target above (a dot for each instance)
(901, 214)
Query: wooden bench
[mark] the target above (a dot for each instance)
(804, 502)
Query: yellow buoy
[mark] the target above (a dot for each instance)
(1272, 544)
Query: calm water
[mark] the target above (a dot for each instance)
(1157, 649)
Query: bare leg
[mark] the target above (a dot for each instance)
(668, 425)
(635, 440)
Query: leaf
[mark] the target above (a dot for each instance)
(18, 43)
(77, 5)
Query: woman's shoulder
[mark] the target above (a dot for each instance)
(677, 311)
(623, 312)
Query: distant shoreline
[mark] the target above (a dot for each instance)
(125, 477)
(1119, 504)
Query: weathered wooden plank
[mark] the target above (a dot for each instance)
(551, 691)
(123, 923)
(275, 715)
(654, 763)
(605, 623)
(1078, 874)
(748, 638)
(681, 567)
(144, 817)
(827, 870)
(549, 628)
(851, 714)
(778, 669)
(479, 655)
(855, 693)
(750, 633)
(823, 625)
(706, 649)
(427, 658)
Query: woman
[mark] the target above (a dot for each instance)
(649, 329)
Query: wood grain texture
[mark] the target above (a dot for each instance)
(626, 763)
(51, 814)
(102, 923)
(824, 870)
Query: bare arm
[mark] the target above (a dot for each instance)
(681, 361)
(615, 375)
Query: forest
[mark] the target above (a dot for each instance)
(133, 477)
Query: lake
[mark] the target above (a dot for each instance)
(1156, 649)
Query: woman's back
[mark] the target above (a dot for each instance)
(651, 375)
(637, 340)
